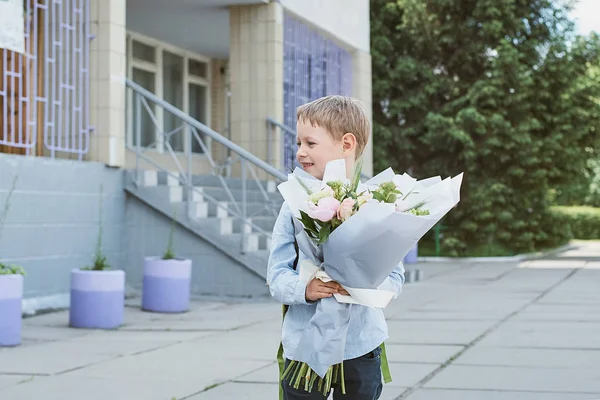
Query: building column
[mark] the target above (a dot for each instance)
(362, 90)
(256, 68)
(107, 87)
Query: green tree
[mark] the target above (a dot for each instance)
(584, 188)
(498, 89)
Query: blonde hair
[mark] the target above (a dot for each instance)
(338, 115)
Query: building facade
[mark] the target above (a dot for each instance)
(106, 87)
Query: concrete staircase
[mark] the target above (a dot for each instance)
(214, 221)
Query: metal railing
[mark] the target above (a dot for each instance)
(287, 149)
(144, 103)
(44, 93)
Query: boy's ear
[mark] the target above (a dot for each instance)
(348, 142)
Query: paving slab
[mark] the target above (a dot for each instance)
(86, 350)
(237, 391)
(61, 387)
(391, 393)
(435, 332)
(593, 265)
(542, 334)
(239, 344)
(223, 318)
(261, 391)
(423, 354)
(408, 374)
(544, 344)
(445, 394)
(527, 357)
(7, 381)
(558, 263)
(473, 274)
(268, 374)
(567, 380)
(201, 367)
(559, 312)
(48, 328)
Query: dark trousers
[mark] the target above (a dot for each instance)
(362, 379)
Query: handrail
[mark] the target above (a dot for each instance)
(209, 132)
(192, 130)
(282, 126)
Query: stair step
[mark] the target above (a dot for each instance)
(200, 216)
(235, 183)
(219, 193)
(228, 226)
(227, 209)
(151, 178)
(178, 194)
(253, 242)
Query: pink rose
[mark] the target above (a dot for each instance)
(346, 209)
(325, 209)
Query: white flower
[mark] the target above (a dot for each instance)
(363, 198)
(325, 192)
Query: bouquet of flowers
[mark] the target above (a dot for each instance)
(355, 234)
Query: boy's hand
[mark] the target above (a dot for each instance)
(317, 289)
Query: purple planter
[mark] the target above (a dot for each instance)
(11, 295)
(166, 285)
(412, 256)
(97, 299)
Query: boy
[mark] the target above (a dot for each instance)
(329, 128)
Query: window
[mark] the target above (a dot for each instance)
(313, 66)
(180, 78)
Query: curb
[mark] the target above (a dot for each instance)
(517, 258)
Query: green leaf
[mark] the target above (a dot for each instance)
(356, 175)
(310, 227)
(6, 269)
(378, 196)
(308, 222)
(306, 188)
(324, 233)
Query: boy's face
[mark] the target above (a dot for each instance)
(316, 147)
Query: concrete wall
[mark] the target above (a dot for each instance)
(213, 273)
(108, 67)
(256, 74)
(52, 223)
(346, 20)
(52, 228)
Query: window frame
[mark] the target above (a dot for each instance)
(157, 70)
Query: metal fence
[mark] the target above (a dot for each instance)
(44, 94)
(314, 66)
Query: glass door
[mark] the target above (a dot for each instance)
(145, 79)
(173, 94)
(198, 109)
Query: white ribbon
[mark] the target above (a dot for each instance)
(376, 298)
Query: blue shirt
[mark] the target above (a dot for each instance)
(368, 328)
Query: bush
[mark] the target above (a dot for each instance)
(584, 222)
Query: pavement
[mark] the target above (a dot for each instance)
(468, 331)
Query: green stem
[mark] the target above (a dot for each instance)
(312, 382)
(343, 381)
(299, 375)
(327, 387)
(288, 370)
(307, 378)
